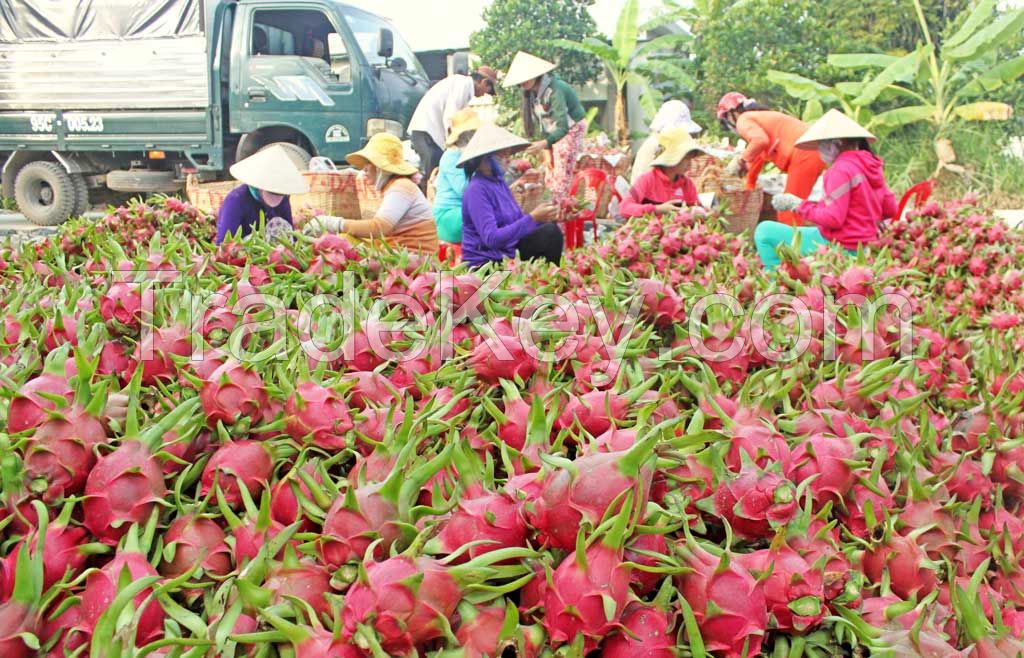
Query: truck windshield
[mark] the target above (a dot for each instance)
(366, 28)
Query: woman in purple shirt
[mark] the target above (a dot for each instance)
(494, 227)
(268, 178)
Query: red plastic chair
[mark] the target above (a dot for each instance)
(920, 194)
(598, 181)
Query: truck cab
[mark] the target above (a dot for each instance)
(136, 108)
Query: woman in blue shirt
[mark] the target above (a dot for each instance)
(451, 180)
(269, 177)
(494, 226)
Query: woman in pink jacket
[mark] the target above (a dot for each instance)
(856, 199)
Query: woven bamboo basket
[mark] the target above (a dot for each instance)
(339, 193)
(529, 190)
(207, 197)
(743, 206)
(622, 168)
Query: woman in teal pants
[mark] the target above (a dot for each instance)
(856, 199)
(451, 181)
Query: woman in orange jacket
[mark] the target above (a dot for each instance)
(771, 137)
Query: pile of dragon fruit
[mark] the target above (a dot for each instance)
(338, 451)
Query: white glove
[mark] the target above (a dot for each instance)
(733, 168)
(785, 202)
(324, 224)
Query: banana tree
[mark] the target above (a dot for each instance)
(627, 61)
(817, 95)
(943, 86)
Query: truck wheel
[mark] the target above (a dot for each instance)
(45, 193)
(299, 155)
(143, 181)
(81, 195)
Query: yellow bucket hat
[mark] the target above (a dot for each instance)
(385, 151)
(676, 144)
(463, 121)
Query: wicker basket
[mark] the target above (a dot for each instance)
(743, 206)
(207, 197)
(529, 190)
(339, 193)
(700, 166)
(590, 161)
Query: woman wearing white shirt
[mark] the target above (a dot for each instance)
(673, 114)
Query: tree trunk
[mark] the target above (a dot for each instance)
(621, 125)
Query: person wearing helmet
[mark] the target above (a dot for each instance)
(549, 100)
(771, 137)
(856, 201)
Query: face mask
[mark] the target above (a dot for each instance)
(829, 151)
(272, 200)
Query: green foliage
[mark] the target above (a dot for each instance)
(533, 26)
(888, 26)
(626, 61)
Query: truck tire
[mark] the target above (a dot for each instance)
(299, 155)
(81, 195)
(45, 193)
(143, 181)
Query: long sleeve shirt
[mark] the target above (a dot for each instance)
(771, 137)
(655, 187)
(241, 210)
(856, 200)
(492, 221)
(434, 113)
(555, 107)
(403, 218)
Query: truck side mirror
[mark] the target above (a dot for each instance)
(460, 63)
(387, 43)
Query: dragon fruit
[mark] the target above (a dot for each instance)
(647, 631)
(728, 604)
(829, 459)
(906, 563)
(404, 599)
(318, 414)
(754, 502)
(793, 589)
(61, 453)
(121, 489)
(238, 464)
(155, 352)
(502, 357)
(303, 579)
(102, 586)
(233, 392)
(482, 516)
(190, 540)
(30, 405)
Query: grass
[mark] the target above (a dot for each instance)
(998, 179)
(7, 204)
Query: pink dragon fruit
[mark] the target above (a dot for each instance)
(102, 586)
(237, 464)
(61, 453)
(793, 589)
(155, 352)
(303, 579)
(482, 516)
(762, 445)
(502, 357)
(191, 540)
(828, 458)
(587, 595)
(122, 489)
(755, 502)
(728, 604)
(404, 599)
(906, 563)
(318, 414)
(662, 305)
(647, 631)
(233, 392)
(29, 407)
(596, 411)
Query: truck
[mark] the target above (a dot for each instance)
(136, 95)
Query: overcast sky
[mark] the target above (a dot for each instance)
(437, 24)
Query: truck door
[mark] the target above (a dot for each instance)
(289, 73)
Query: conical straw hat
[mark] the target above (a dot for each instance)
(834, 125)
(271, 170)
(489, 138)
(525, 67)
